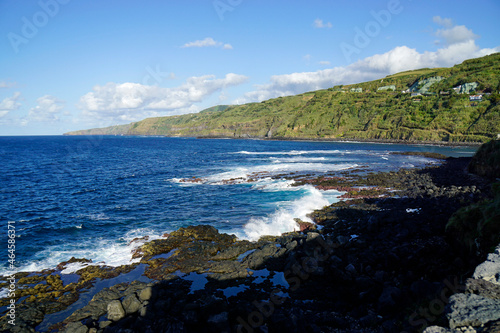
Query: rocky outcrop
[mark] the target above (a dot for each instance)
(490, 269)
(486, 162)
(478, 309)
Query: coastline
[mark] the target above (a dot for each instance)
(291, 139)
(350, 274)
(375, 141)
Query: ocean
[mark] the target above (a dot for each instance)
(90, 196)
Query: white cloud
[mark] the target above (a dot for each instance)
(324, 63)
(208, 42)
(399, 59)
(134, 101)
(452, 34)
(5, 84)
(318, 23)
(457, 34)
(9, 104)
(48, 109)
(445, 22)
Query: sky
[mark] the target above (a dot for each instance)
(76, 64)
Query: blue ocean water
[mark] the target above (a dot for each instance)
(89, 197)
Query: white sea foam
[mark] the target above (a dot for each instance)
(282, 220)
(261, 171)
(290, 152)
(4, 292)
(97, 217)
(271, 185)
(102, 252)
(297, 159)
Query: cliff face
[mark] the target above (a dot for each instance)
(427, 105)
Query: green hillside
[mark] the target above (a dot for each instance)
(418, 105)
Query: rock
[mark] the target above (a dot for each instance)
(305, 226)
(219, 318)
(143, 311)
(234, 251)
(490, 269)
(257, 258)
(115, 310)
(472, 310)
(202, 232)
(63, 264)
(76, 327)
(105, 323)
(351, 269)
(389, 299)
(342, 240)
(292, 245)
(483, 288)
(131, 304)
(312, 235)
(437, 329)
(146, 294)
(106, 294)
(97, 305)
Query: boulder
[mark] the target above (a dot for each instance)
(115, 310)
(146, 294)
(490, 269)
(131, 304)
(292, 245)
(76, 327)
(483, 288)
(437, 329)
(472, 310)
(257, 258)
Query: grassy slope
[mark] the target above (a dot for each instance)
(338, 113)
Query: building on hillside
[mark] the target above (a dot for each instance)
(477, 98)
(357, 90)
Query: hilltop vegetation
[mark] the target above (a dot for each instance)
(360, 111)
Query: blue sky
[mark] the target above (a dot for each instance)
(73, 64)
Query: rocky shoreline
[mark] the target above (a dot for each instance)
(320, 139)
(381, 261)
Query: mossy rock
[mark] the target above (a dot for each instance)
(486, 161)
(477, 227)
